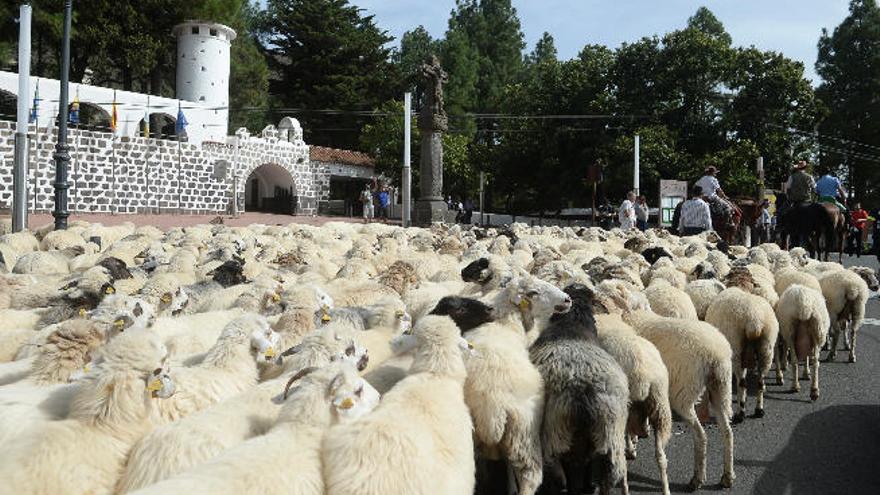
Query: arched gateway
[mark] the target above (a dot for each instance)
(270, 188)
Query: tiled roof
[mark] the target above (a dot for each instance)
(333, 155)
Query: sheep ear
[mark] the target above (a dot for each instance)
(138, 310)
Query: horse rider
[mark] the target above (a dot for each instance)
(800, 185)
(828, 188)
(714, 194)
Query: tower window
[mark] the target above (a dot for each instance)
(213, 32)
(201, 98)
(204, 69)
(195, 30)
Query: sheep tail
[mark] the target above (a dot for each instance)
(658, 412)
(719, 387)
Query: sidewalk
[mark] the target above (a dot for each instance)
(167, 221)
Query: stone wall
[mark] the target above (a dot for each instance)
(143, 175)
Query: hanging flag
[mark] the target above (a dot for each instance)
(180, 126)
(73, 116)
(147, 119)
(34, 110)
(114, 117)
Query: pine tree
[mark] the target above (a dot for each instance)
(325, 54)
(545, 50)
(415, 47)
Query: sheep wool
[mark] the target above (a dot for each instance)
(803, 327)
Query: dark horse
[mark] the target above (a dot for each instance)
(818, 225)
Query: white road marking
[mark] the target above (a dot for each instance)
(872, 321)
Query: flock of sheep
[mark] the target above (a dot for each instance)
(371, 359)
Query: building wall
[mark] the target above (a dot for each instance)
(140, 175)
(206, 122)
(203, 64)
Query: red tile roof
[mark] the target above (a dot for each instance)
(333, 155)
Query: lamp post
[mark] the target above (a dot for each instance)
(62, 155)
(19, 174)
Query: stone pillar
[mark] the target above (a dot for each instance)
(430, 207)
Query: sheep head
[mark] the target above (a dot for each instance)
(264, 342)
(867, 275)
(346, 395)
(465, 312)
(477, 271)
(536, 298)
(173, 303)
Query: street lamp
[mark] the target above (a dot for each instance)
(62, 155)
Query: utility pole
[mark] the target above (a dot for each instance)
(62, 155)
(636, 165)
(482, 195)
(19, 173)
(759, 166)
(406, 180)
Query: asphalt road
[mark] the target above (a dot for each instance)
(798, 447)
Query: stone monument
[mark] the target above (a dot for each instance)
(430, 206)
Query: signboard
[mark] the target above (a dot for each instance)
(672, 192)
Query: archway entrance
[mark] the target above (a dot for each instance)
(269, 188)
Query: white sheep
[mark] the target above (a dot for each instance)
(702, 293)
(321, 398)
(698, 359)
(803, 326)
(418, 440)
(110, 411)
(668, 300)
(846, 295)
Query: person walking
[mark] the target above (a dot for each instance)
(695, 215)
(765, 223)
(642, 212)
(626, 214)
(859, 229)
(367, 201)
(384, 201)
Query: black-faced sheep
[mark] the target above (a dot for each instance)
(585, 400)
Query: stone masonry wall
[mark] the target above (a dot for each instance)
(142, 175)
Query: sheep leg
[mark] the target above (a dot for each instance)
(741, 390)
(807, 372)
(835, 335)
(795, 384)
(523, 451)
(631, 446)
(699, 478)
(718, 406)
(765, 357)
(780, 359)
(814, 386)
(575, 472)
(854, 331)
(660, 456)
(554, 479)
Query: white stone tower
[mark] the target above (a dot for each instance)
(203, 69)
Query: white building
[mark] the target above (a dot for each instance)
(202, 90)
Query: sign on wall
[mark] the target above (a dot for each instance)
(672, 192)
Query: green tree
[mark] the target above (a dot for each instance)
(415, 47)
(849, 65)
(545, 50)
(249, 77)
(326, 54)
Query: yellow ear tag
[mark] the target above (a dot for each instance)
(398, 313)
(82, 312)
(119, 323)
(276, 297)
(524, 304)
(109, 290)
(86, 368)
(270, 353)
(325, 317)
(166, 299)
(470, 346)
(155, 385)
(346, 403)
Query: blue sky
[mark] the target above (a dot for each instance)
(788, 26)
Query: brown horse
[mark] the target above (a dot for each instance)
(727, 226)
(835, 230)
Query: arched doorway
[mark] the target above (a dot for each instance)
(162, 126)
(93, 118)
(8, 105)
(269, 188)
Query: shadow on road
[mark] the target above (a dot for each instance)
(835, 450)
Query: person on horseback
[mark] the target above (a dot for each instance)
(829, 188)
(714, 195)
(800, 185)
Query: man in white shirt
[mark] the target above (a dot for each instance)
(714, 195)
(627, 213)
(695, 215)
